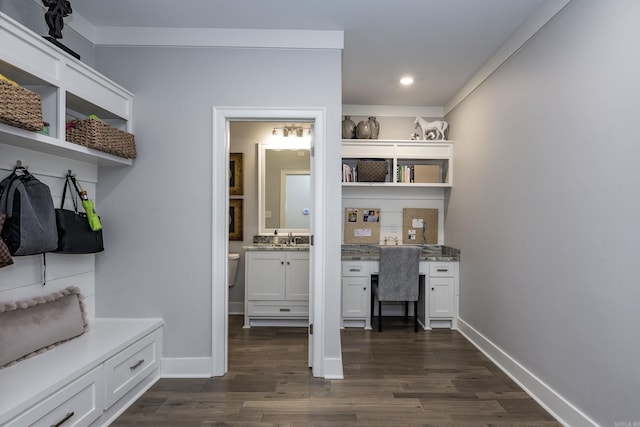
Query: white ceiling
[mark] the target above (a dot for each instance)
(441, 43)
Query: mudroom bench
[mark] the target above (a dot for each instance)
(89, 380)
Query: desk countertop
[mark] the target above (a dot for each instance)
(372, 253)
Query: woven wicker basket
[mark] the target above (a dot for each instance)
(100, 136)
(372, 170)
(20, 107)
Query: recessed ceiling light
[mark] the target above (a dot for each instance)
(406, 81)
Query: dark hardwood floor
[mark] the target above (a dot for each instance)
(393, 378)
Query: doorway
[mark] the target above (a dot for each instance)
(220, 245)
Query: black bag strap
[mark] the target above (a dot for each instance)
(9, 181)
(68, 178)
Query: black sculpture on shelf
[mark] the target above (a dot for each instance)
(58, 9)
(54, 17)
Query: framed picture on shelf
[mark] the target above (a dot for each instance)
(236, 187)
(235, 219)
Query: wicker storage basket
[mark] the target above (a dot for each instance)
(96, 134)
(20, 107)
(372, 170)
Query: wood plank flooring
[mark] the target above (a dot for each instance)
(393, 378)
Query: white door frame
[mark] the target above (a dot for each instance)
(220, 226)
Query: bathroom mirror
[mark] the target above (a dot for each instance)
(285, 188)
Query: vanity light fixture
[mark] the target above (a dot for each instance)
(406, 81)
(290, 131)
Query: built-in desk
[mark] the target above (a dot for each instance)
(438, 301)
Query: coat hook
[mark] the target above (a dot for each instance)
(20, 166)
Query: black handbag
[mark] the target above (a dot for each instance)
(74, 233)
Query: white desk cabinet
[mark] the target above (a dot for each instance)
(437, 306)
(442, 294)
(277, 285)
(356, 282)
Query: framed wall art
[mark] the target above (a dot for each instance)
(235, 219)
(236, 187)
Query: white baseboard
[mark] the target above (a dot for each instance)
(236, 307)
(186, 367)
(333, 368)
(565, 412)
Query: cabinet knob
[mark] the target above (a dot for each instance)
(288, 263)
(433, 289)
(364, 289)
(281, 262)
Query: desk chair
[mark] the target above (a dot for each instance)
(398, 279)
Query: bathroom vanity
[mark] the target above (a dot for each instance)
(276, 285)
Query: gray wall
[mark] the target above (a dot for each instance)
(159, 211)
(31, 15)
(545, 207)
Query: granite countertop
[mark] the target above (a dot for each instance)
(372, 253)
(364, 252)
(279, 247)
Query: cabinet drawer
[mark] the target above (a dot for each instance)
(354, 269)
(78, 404)
(278, 309)
(417, 151)
(129, 367)
(441, 269)
(369, 151)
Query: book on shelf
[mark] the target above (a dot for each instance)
(404, 174)
(418, 174)
(349, 174)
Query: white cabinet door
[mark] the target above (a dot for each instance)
(266, 275)
(355, 301)
(297, 276)
(441, 297)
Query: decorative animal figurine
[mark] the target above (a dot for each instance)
(431, 130)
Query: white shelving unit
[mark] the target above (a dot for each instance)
(400, 153)
(67, 88)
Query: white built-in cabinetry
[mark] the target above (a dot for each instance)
(438, 301)
(441, 288)
(90, 379)
(67, 88)
(277, 285)
(356, 283)
(401, 153)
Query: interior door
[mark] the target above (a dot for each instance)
(312, 230)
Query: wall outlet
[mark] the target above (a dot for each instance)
(267, 214)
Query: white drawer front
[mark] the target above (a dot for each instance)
(278, 309)
(354, 269)
(78, 404)
(129, 367)
(441, 269)
(380, 151)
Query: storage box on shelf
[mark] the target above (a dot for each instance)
(419, 164)
(20, 107)
(68, 89)
(96, 134)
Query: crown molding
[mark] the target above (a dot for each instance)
(218, 37)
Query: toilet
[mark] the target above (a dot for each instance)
(233, 267)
